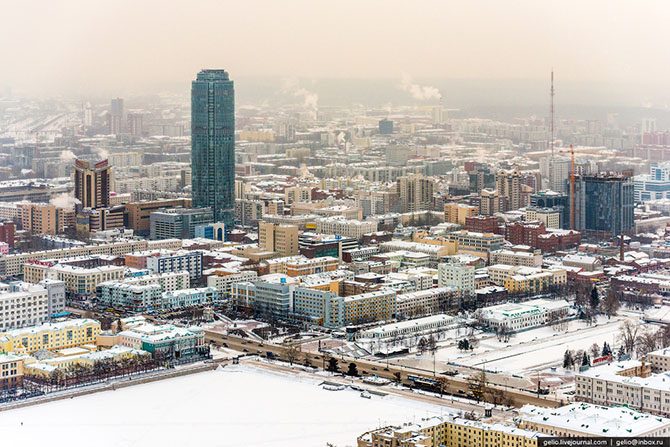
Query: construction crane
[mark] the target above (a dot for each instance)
(572, 184)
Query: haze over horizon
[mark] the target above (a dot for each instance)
(605, 52)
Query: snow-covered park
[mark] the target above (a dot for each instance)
(528, 351)
(233, 406)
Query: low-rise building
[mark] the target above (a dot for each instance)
(520, 258)
(582, 419)
(450, 430)
(167, 343)
(526, 315)
(614, 384)
(422, 302)
(50, 336)
(11, 371)
(181, 299)
(659, 360)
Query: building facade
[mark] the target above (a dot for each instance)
(213, 144)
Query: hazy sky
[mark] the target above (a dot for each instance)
(128, 45)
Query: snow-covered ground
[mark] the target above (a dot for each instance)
(234, 406)
(529, 351)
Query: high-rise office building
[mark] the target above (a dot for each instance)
(555, 171)
(136, 124)
(604, 203)
(213, 144)
(92, 184)
(508, 184)
(116, 116)
(415, 192)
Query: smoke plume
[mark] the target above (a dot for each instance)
(290, 86)
(419, 92)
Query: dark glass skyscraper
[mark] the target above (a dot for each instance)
(213, 144)
(604, 204)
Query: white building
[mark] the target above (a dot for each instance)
(345, 227)
(377, 339)
(168, 281)
(520, 316)
(606, 385)
(659, 360)
(222, 279)
(27, 306)
(521, 258)
(459, 276)
(190, 261)
(581, 419)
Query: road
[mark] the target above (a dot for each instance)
(498, 414)
(456, 386)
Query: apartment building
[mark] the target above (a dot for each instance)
(79, 281)
(222, 280)
(182, 260)
(279, 238)
(613, 385)
(50, 336)
(459, 212)
(368, 307)
(28, 306)
(339, 225)
(12, 264)
(422, 302)
(457, 275)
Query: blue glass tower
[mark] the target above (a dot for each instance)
(213, 144)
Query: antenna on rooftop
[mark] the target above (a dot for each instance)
(551, 113)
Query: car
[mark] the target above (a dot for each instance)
(374, 369)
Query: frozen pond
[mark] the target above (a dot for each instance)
(238, 405)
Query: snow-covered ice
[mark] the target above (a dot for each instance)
(234, 406)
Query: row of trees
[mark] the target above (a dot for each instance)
(632, 341)
(99, 371)
(635, 341)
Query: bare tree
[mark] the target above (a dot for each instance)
(477, 385)
(292, 353)
(629, 336)
(612, 302)
(647, 342)
(442, 384)
(663, 335)
(504, 333)
(594, 350)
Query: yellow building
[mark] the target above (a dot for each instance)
(50, 336)
(367, 307)
(280, 238)
(11, 371)
(458, 212)
(450, 431)
(82, 357)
